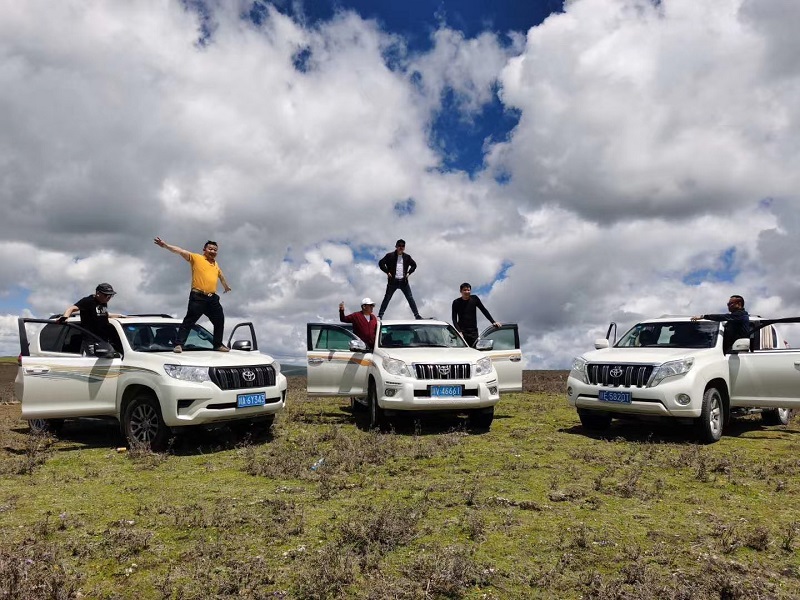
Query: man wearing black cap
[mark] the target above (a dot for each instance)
(398, 266)
(94, 314)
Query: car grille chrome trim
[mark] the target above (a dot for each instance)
(442, 371)
(619, 374)
(240, 378)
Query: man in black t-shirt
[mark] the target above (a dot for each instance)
(94, 314)
(465, 314)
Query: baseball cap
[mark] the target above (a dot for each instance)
(367, 301)
(105, 288)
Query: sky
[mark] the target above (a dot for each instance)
(577, 163)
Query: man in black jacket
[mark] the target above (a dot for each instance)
(465, 314)
(737, 322)
(398, 266)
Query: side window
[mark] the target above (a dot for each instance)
(72, 341)
(504, 339)
(51, 336)
(323, 337)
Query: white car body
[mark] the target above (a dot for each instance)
(624, 379)
(414, 376)
(57, 382)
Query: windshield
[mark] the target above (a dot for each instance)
(679, 334)
(162, 337)
(423, 335)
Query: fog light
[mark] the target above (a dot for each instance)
(389, 392)
(683, 399)
(492, 390)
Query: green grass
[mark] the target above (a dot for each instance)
(8, 359)
(533, 509)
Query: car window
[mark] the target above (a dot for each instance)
(419, 336)
(63, 338)
(162, 337)
(504, 339)
(679, 334)
(332, 339)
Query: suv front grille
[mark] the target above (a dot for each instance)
(235, 378)
(444, 371)
(619, 375)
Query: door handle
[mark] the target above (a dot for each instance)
(515, 358)
(36, 370)
(315, 361)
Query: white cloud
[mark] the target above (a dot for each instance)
(653, 139)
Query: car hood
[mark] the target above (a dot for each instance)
(432, 355)
(212, 358)
(644, 355)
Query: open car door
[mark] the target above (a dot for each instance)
(333, 368)
(506, 356)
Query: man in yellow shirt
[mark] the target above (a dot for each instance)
(203, 298)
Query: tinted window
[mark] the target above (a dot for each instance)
(162, 337)
(419, 336)
(504, 339)
(50, 338)
(679, 334)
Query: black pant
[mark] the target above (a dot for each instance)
(470, 336)
(391, 287)
(199, 305)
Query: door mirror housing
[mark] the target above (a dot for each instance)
(601, 343)
(104, 351)
(358, 346)
(484, 344)
(740, 345)
(243, 345)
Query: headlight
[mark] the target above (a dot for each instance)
(671, 369)
(483, 366)
(579, 368)
(394, 366)
(184, 373)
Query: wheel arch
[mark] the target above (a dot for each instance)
(131, 392)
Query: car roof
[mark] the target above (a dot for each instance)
(412, 322)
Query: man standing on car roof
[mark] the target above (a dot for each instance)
(737, 322)
(203, 298)
(94, 315)
(365, 324)
(465, 314)
(398, 266)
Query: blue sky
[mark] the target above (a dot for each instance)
(603, 160)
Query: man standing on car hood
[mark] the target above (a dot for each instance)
(203, 298)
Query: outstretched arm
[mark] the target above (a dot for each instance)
(174, 249)
(485, 312)
(68, 313)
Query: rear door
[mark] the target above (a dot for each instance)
(506, 356)
(333, 369)
(769, 376)
(56, 381)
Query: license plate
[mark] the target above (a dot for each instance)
(446, 391)
(611, 396)
(245, 400)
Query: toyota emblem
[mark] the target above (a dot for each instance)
(616, 372)
(248, 376)
(444, 370)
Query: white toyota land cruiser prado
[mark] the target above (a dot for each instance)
(416, 366)
(675, 367)
(138, 380)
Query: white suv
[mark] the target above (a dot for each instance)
(676, 367)
(138, 380)
(416, 366)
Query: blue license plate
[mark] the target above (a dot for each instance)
(446, 391)
(245, 400)
(612, 396)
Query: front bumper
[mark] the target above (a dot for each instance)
(416, 396)
(659, 401)
(203, 403)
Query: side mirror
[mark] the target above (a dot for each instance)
(600, 343)
(243, 345)
(740, 345)
(358, 346)
(484, 344)
(104, 351)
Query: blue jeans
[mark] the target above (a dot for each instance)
(199, 305)
(391, 287)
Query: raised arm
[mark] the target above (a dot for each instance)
(174, 249)
(68, 313)
(485, 312)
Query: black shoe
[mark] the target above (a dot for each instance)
(418, 317)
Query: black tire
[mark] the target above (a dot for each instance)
(377, 416)
(46, 426)
(594, 420)
(481, 419)
(142, 423)
(712, 417)
(776, 416)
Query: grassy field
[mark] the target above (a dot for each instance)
(323, 508)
